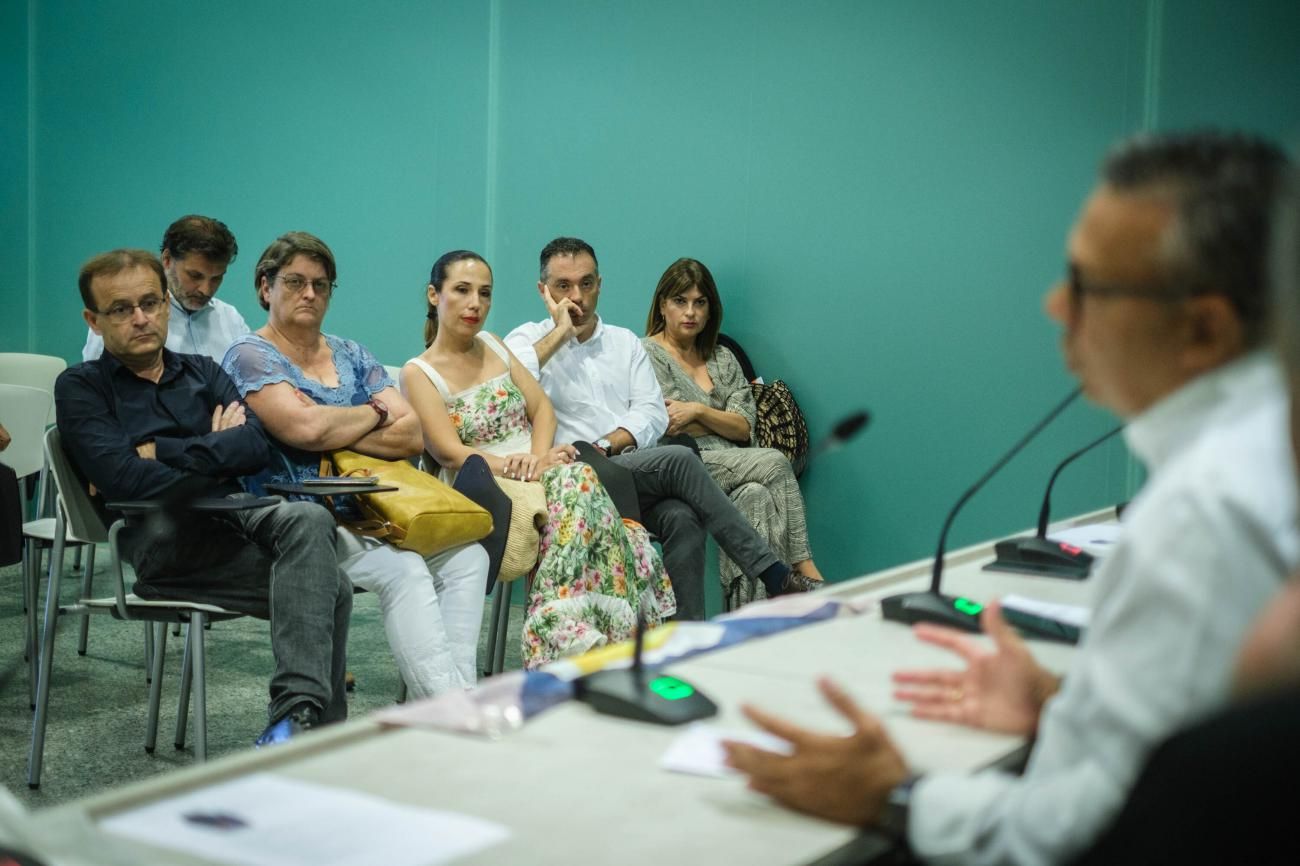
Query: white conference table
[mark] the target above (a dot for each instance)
(574, 786)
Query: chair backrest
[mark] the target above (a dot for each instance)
(396, 373)
(83, 520)
(32, 371)
(23, 412)
(746, 365)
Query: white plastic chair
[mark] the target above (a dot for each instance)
(23, 411)
(32, 371)
(76, 513)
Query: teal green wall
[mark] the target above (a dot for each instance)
(881, 188)
(15, 279)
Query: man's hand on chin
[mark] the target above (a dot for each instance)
(846, 779)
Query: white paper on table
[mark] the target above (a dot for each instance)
(269, 820)
(1096, 538)
(1070, 614)
(698, 751)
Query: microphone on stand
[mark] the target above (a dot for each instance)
(931, 605)
(641, 694)
(844, 430)
(1037, 554)
(644, 694)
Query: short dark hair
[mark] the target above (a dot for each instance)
(565, 247)
(199, 234)
(682, 276)
(1223, 187)
(437, 276)
(114, 262)
(282, 251)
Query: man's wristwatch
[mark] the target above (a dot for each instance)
(380, 409)
(893, 818)
(605, 446)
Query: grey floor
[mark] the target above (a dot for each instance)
(95, 737)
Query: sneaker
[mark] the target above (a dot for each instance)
(303, 717)
(797, 581)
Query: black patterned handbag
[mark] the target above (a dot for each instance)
(780, 423)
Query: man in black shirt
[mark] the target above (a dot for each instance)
(142, 422)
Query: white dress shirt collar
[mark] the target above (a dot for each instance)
(1164, 429)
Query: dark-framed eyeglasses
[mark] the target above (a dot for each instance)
(1077, 288)
(298, 284)
(122, 312)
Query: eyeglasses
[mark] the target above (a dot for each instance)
(122, 312)
(1077, 289)
(297, 285)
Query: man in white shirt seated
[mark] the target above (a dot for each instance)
(604, 391)
(1164, 316)
(196, 250)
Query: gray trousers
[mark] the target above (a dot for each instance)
(680, 503)
(275, 562)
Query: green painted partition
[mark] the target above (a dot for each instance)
(882, 189)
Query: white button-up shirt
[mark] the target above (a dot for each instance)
(1205, 545)
(209, 330)
(597, 386)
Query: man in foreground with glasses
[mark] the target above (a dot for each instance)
(144, 423)
(1164, 322)
(196, 250)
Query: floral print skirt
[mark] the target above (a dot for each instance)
(593, 572)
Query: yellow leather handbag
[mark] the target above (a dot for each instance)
(423, 514)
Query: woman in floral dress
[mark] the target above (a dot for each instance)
(474, 397)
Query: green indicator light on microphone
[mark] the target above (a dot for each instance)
(966, 606)
(671, 688)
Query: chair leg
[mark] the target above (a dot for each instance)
(200, 688)
(401, 689)
(148, 652)
(490, 653)
(76, 558)
(176, 630)
(87, 588)
(183, 699)
(36, 754)
(31, 597)
(159, 630)
(502, 627)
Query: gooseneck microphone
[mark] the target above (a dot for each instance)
(1037, 554)
(643, 694)
(954, 611)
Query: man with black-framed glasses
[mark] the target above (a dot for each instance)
(1164, 318)
(144, 423)
(196, 251)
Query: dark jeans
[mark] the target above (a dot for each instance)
(275, 562)
(680, 503)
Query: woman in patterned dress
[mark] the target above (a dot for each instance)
(474, 397)
(708, 398)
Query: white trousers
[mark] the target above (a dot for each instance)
(432, 608)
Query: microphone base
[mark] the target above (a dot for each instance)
(644, 696)
(927, 606)
(1041, 556)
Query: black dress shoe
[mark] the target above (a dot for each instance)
(303, 717)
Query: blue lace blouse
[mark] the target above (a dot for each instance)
(253, 362)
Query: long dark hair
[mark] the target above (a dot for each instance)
(682, 276)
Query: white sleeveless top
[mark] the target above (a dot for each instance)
(515, 442)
